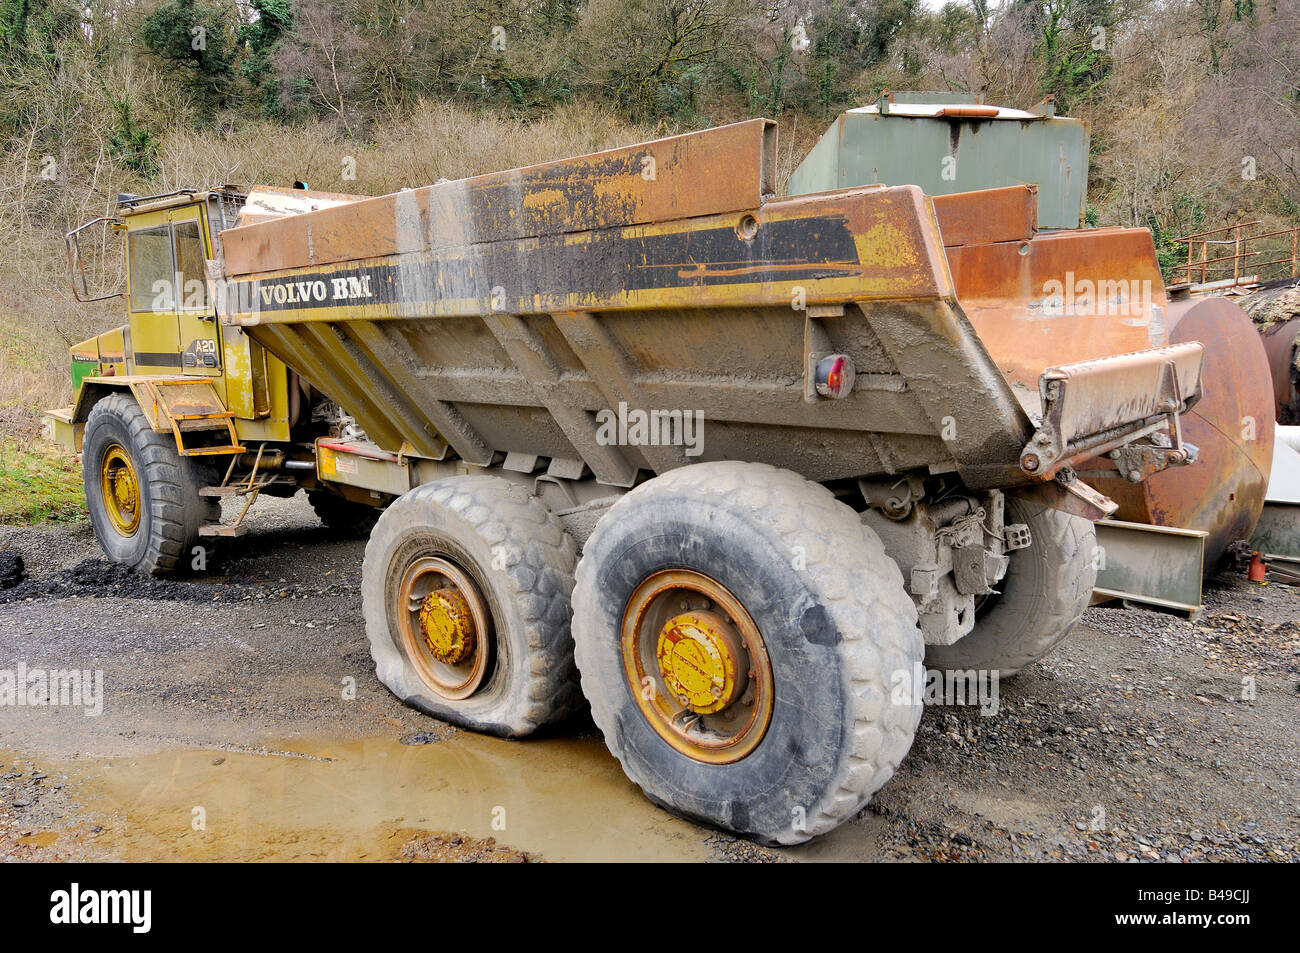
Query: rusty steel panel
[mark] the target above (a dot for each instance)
(727, 169)
(1062, 297)
(994, 215)
(1284, 367)
(1222, 492)
(859, 244)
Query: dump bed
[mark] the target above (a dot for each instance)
(518, 313)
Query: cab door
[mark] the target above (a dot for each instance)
(153, 341)
(200, 346)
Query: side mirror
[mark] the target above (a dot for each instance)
(77, 264)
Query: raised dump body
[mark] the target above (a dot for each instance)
(793, 468)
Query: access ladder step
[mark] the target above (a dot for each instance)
(221, 491)
(223, 530)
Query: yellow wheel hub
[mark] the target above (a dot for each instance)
(447, 625)
(697, 666)
(698, 654)
(120, 490)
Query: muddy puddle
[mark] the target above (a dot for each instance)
(375, 799)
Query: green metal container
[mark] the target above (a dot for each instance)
(945, 145)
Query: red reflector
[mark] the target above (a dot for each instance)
(835, 375)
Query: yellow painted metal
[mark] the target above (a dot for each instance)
(195, 315)
(274, 424)
(185, 338)
(112, 351)
(370, 469)
(244, 367)
(697, 666)
(447, 623)
(93, 388)
(154, 332)
(698, 654)
(120, 490)
(441, 615)
(175, 405)
(189, 405)
(60, 428)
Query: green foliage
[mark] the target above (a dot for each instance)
(131, 145)
(1073, 48)
(31, 33)
(195, 39)
(33, 28)
(1189, 215)
(850, 40)
(261, 42)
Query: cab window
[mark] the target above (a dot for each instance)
(151, 262)
(190, 266)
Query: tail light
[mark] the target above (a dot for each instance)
(835, 375)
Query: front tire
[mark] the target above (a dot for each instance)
(143, 497)
(745, 563)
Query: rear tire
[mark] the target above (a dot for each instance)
(1042, 596)
(123, 458)
(832, 626)
(339, 513)
(510, 558)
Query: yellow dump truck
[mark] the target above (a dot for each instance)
(745, 460)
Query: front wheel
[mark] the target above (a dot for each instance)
(143, 497)
(739, 634)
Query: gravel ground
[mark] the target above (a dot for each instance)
(1144, 737)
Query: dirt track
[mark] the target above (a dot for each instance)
(223, 704)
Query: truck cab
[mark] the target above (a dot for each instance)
(173, 390)
(172, 332)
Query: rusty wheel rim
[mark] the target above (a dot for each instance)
(119, 488)
(697, 666)
(445, 627)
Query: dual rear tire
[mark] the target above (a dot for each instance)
(738, 633)
(747, 647)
